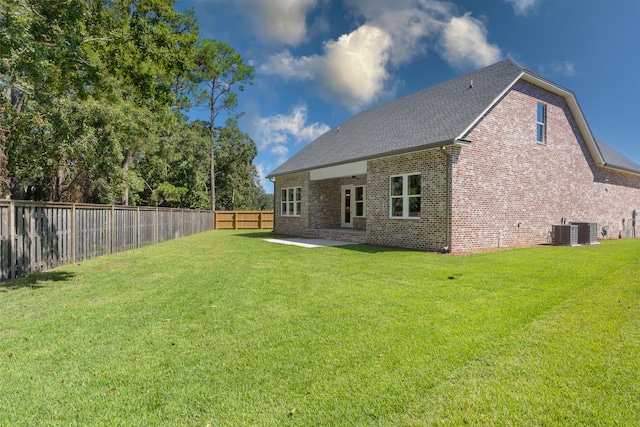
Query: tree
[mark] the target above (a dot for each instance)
(221, 70)
(151, 50)
(92, 94)
(73, 70)
(176, 175)
(235, 172)
(40, 59)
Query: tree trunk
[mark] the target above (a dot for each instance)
(5, 190)
(125, 166)
(59, 181)
(212, 133)
(15, 96)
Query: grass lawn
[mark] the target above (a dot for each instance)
(225, 329)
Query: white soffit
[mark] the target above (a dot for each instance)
(339, 171)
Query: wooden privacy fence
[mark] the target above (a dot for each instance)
(239, 220)
(38, 236)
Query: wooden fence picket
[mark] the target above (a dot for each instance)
(244, 220)
(36, 236)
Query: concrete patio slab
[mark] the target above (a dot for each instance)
(309, 243)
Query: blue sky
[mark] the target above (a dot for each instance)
(319, 62)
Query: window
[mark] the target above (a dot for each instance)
(405, 196)
(541, 124)
(290, 201)
(361, 204)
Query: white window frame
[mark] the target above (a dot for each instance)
(405, 196)
(363, 201)
(290, 201)
(541, 123)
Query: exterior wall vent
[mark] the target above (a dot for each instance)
(565, 235)
(587, 233)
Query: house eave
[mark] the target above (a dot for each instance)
(620, 169)
(457, 142)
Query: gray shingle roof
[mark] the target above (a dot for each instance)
(434, 115)
(431, 117)
(614, 159)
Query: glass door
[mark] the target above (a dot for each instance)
(346, 210)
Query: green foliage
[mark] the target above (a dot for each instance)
(235, 172)
(225, 329)
(221, 70)
(72, 150)
(218, 70)
(91, 95)
(177, 172)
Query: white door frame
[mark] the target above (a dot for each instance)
(346, 216)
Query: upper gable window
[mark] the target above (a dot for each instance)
(541, 123)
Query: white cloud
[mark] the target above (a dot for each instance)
(356, 69)
(351, 71)
(408, 22)
(522, 7)
(280, 21)
(407, 29)
(464, 43)
(287, 66)
(279, 150)
(564, 68)
(276, 133)
(355, 66)
(262, 177)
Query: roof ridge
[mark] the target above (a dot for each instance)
(429, 117)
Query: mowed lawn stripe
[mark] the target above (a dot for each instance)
(224, 328)
(572, 366)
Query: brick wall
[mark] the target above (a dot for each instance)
(508, 189)
(325, 202)
(289, 225)
(426, 233)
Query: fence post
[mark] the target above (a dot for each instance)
(170, 224)
(260, 220)
(112, 223)
(235, 220)
(138, 227)
(156, 230)
(12, 240)
(72, 237)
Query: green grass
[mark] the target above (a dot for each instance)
(224, 329)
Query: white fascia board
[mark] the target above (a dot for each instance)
(339, 171)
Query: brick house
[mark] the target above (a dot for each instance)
(490, 159)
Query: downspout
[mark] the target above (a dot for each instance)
(447, 242)
(274, 203)
(457, 143)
